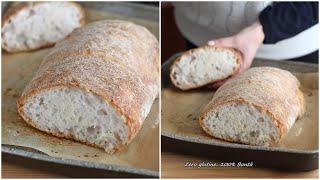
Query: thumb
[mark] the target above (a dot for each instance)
(246, 62)
(223, 42)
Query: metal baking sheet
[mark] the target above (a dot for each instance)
(131, 10)
(109, 169)
(276, 157)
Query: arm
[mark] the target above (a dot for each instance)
(283, 20)
(277, 22)
(246, 41)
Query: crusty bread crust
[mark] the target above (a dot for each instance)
(126, 84)
(278, 96)
(16, 7)
(190, 52)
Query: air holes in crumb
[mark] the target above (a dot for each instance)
(87, 101)
(32, 12)
(80, 118)
(37, 115)
(174, 75)
(93, 129)
(272, 138)
(251, 113)
(218, 69)
(252, 133)
(116, 135)
(25, 43)
(57, 28)
(217, 115)
(260, 120)
(41, 101)
(192, 59)
(238, 137)
(67, 90)
(54, 110)
(70, 130)
(121, 131)
(102, 112)
(233, 129)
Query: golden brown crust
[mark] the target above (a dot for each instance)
(190, 52)
(18, 6)
(126, 84)
(272, 90)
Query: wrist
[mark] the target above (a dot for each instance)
(258, 29)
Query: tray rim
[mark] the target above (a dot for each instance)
(38, 155)
(165, 67)
(18, 151)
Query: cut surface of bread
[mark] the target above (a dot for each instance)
(241, 123)
(257, 107)
(32, 25)
(82, 115)
(205, 65)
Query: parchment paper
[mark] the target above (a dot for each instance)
(17, 71)
(181, 109)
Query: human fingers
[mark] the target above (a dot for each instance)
(223, 42)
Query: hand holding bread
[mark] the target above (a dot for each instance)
(256, 107)
(246, 42)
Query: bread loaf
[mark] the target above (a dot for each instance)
(257, 107)
(31, 25)
(96, 86)
(202, 66)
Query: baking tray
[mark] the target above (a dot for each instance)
(132, 10)
(100, 170)
(273, 157)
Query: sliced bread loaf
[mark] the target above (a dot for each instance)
(31, 25)
(96, 86)
(202, 66)
(257, 107)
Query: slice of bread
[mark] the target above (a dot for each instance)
(205, 65)
(257, 107)
(32, 25)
